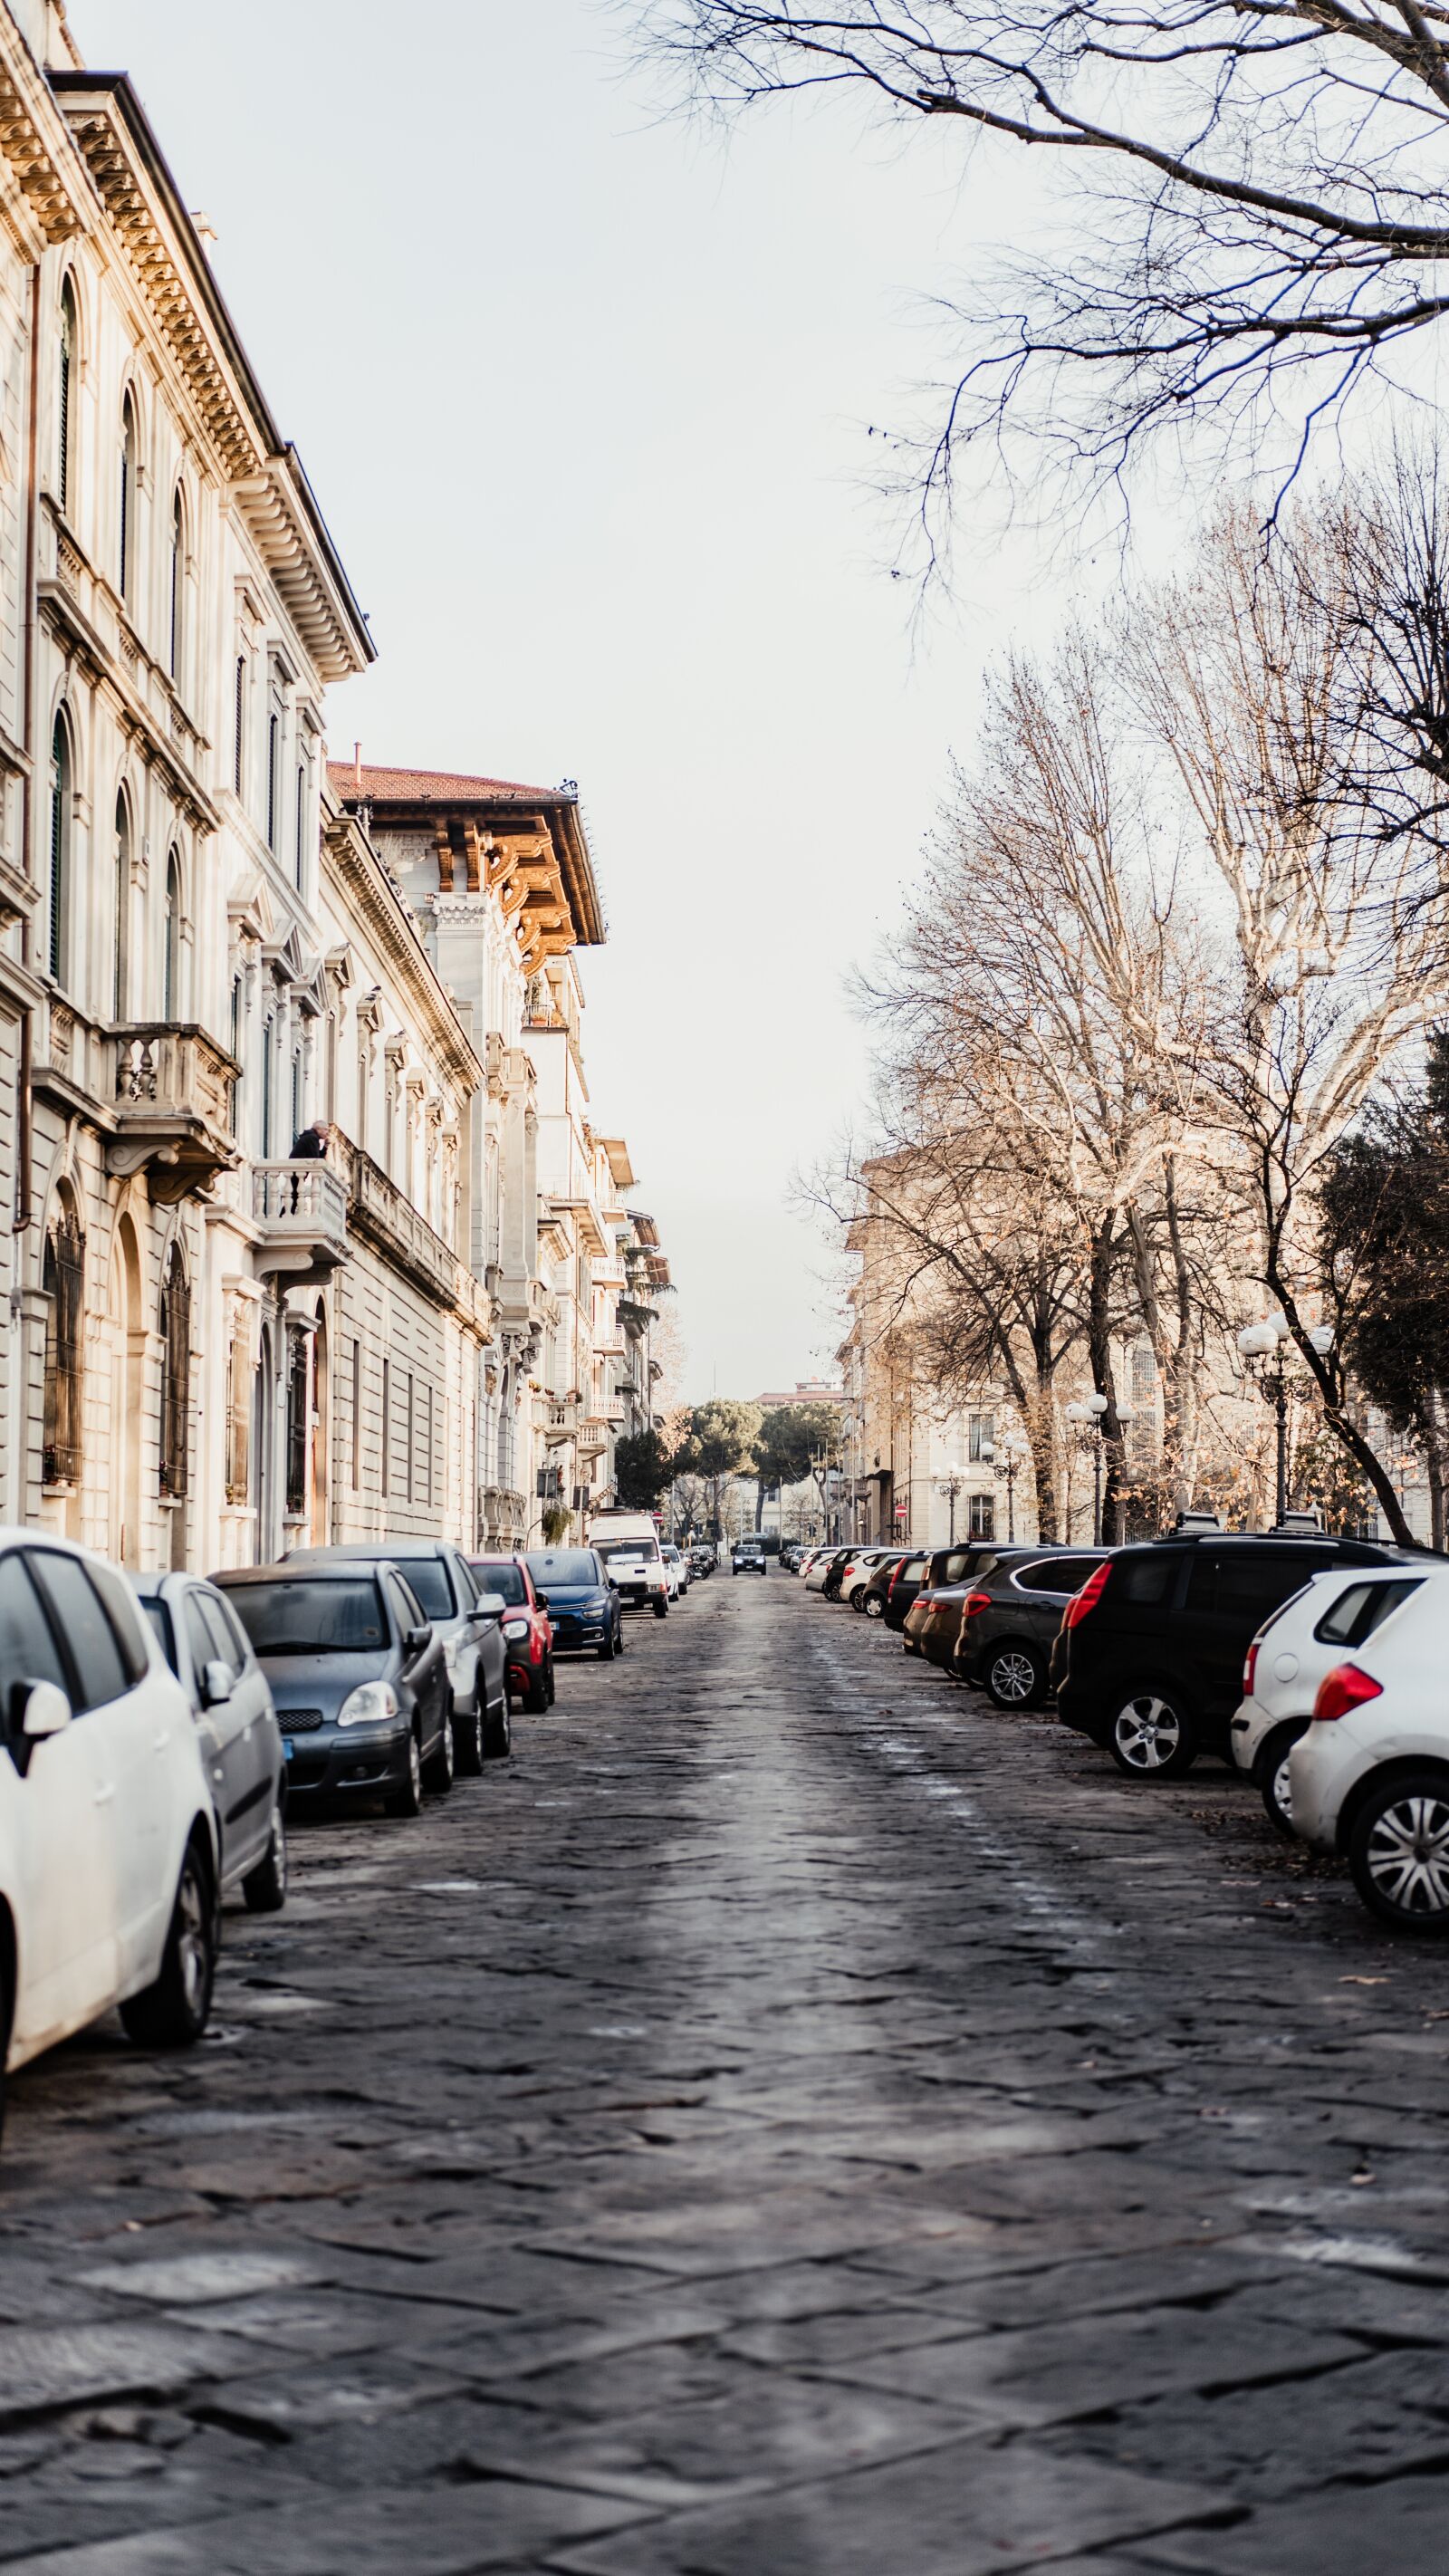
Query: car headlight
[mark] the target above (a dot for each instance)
(371, 1704)
(515, 1627)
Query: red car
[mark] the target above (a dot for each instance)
(526, 1630)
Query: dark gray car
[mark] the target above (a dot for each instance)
(467, 1625)
(240, 1739)
(359, 1680)
(1011, 1615)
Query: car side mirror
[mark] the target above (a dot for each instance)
(418, 1639)
(38, 1709)
(490, 1605)
(542, 1599)
(216, 1683)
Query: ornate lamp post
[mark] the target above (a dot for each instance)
(952, 1487)
(1006, 1458)
(1088, 1417)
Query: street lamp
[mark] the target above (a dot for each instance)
(1006, 1461)
(951, 1486)
(1088, 1416)
(1265, 1342)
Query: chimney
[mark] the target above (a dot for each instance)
(357, 768)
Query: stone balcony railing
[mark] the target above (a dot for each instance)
(382, 1215)
(561, 1420)
(171, 1088)
(301, 1208)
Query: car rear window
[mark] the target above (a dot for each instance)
(1064, 1574)
(1247, 1582)
(298, 1616)
(1362, 1608)
(506, 1580)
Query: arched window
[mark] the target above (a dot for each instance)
(60, 805)
(120, 967)
(69, 350)
(178, 561)
(63, 1280)
(175, 1374)
(171, 953)
(127, 546)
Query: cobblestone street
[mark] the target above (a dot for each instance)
(793, 2120)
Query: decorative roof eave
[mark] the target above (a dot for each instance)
(37, 148)
(459, 813)
(140, 197)
(390, 924)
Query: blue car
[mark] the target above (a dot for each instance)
(583, 1605)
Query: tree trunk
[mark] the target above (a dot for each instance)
(1099, 1354)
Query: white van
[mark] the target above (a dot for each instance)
(628, 1542)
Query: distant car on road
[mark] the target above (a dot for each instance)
(439, 1574)
(678, 1569)
(748, 1557)
(241, 1742)
(1013, 1609)
(583, 1606)
(358, 1678)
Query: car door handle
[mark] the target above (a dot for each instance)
(105, 1792)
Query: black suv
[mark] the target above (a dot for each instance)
(1149, 1659)
(1011, 1615)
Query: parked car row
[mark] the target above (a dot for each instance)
(1309, 1662)
(157, 1731)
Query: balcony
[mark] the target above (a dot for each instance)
(561, 1422)
(592, 1437)
(381, 1215)
(301, 1208)
(171, 1086)
(505, 1516)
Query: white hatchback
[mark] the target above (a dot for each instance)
(1293, 1650)
(859, 1570)
(1370, 1776)
(108, 1842)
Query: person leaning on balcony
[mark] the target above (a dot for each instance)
(310, 1146)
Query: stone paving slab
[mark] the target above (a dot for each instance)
(790, 2118)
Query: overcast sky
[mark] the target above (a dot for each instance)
(584, 397)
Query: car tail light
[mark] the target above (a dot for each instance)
(1250, 1667)
(1344, 1688)
(1088, 1598)
(974, 1602)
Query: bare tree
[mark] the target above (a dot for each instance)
(1338, 964)
(1258, 218)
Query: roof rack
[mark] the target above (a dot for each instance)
(1187, 1522)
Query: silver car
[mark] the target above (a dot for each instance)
(241, 1742)
(467, 1624)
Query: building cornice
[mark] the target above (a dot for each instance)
(152, 225)
(37, 147)
(388, 924)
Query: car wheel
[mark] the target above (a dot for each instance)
(661, 1609)
(1273, 1779)
(174, 2011)
(468, 1736)
(1398, 1853)
(609, 1648)
(498, 1732)
(265, 1887)
(552, 1683)
(873, 1606)
(1014, 1675)
(535, 1698)
(407, 1800)
(1151, 1736)
(438, 1768)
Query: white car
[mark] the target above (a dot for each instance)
(1370, 1776)
(1290, 1655)
(678, 1569)
(859, 1570)
(819, 1568)
(108, 1837)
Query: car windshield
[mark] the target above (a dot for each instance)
(506, 1580)
(300, 1615)
(160, 1618)
(428, 1578)
(562, 1568)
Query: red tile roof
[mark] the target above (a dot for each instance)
(438, 786)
